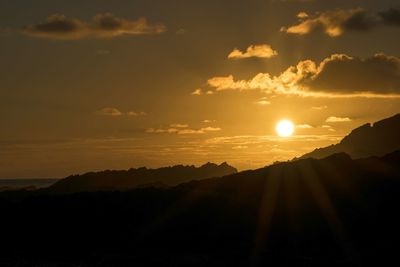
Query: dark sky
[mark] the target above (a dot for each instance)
(91, 85)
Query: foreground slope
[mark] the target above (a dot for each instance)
(377, 139)
(330, 212)
(141, 177)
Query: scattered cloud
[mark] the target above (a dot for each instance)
(240, 147)
(209, 121)
(183, 129)
(319, 107)
(304, 126)
(259, 51)
(328, 127)
(136, 114)
(263, 101)
(109, 111)
(179, 125)
(338, 119)
(197, 91)
(337, 76)
(105, 25)
(336, 22)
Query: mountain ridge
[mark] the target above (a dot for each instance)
(376, 139)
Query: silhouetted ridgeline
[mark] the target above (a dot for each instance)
(141, 177)
(330, 212)
(368, 140)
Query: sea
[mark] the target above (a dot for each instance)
(24, 183)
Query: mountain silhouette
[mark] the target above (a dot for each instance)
(110, 180)
(334, 211)
(377, 139)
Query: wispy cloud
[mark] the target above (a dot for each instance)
(304, 126)
(197, 92)
(263, 101)
(338, 119)
(110, 111)
(259, 51)
(183, 129)
(101, 26)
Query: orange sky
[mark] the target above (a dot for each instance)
(153, 83)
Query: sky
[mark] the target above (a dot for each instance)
(94, 85)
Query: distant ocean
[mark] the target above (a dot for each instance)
(23, 183)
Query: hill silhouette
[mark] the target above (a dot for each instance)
(368, 140)
(334, 211)
(141, 177)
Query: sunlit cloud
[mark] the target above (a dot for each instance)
(338, 119)
(179, 125)
(304, 126)
(197, 91)
(101, 26)
(240, 147)
(338, 76)
(333, 23)
(328, 127)
(336, 22)
(319, 107)
(263, 101)
(183, 129)
(259, 51)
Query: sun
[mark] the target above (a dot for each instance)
(284, 128)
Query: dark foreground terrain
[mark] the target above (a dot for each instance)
(330, 212)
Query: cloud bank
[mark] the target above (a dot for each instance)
(339, 75)
(106, 25)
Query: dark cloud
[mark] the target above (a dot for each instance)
(341, 73)
(391, 17)
(336, 22)
(101, 26)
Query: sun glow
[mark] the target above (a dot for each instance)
(284, 128)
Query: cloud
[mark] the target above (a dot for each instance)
(209, 121)
(328, 127)
(338, 119)
(109, 112)
(240, 147)
(337, 76)
(391, 17)
(263, 101)
(105, 25)
(334, 23)
(136, 114)
(304, 126)
(182, 129)
(259, 51)
(197, 91)
(179, 125)
(319, 107)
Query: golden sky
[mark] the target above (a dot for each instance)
(92, 85)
